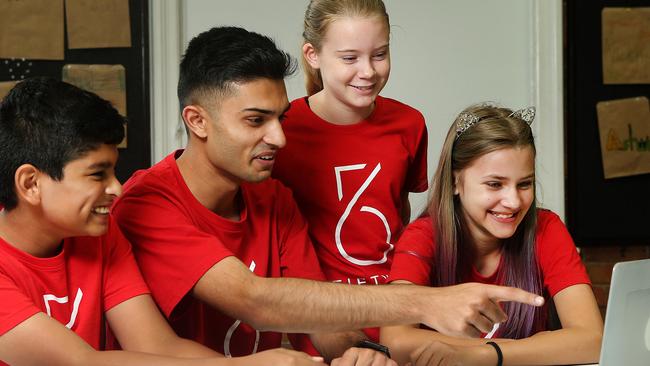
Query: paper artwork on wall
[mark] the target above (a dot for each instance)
(98, 23)
(626, 45)
(31, 29)
(624, 127)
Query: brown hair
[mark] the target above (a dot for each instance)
(319, 15)
(494, 129)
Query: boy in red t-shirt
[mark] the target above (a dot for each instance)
(63, 261)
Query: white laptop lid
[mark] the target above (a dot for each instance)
(626, 340)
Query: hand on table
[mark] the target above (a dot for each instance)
(363, 357)
(281, 356)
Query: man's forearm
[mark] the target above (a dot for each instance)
(303, 306)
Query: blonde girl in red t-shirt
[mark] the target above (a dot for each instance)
(352, 156)
(344, 127)
(482, 225)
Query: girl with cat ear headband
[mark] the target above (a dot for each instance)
(482, 224)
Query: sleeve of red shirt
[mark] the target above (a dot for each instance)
(171, 252)
(414, 253)
(122, 278)
(558, 257)
(417, 176)
(16, 306)
(297, 255)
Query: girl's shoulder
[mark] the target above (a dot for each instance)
(400, 116)
(423, 223)
(300, 101)
(551, 232)
(392, 105)
(299, 105)
(298, 112)
(546, 217)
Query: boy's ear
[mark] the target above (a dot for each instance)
(310, 55)
(26, 181)
(196, 120)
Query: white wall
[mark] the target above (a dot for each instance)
(446, 54)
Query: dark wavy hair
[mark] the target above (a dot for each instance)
(48, 123)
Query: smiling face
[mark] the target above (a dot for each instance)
(79, 203)
(354, 61)
(243, 132)
(495, 191)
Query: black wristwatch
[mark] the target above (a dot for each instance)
(373, 345)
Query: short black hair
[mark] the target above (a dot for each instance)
(221, 56)
(48, 123)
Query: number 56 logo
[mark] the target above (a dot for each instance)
(339, 226)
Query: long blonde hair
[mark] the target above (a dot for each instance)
(496, 129)
(319, 15)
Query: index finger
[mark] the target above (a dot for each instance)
(503, 293)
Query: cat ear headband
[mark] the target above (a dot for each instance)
(467, 120)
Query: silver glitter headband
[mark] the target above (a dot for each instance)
(467, 120)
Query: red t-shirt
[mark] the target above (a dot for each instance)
(348, 181)
(177, 240)
(88, 277)
(557, 256)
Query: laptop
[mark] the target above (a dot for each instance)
(626, 339)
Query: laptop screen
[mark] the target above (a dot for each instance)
(626, 340)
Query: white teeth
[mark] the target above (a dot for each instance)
(503, 215)
(266, 157)
(101, 210)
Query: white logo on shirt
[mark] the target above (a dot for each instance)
(233, 327)
(64, 300)
(339, 226)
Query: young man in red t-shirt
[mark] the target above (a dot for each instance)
(212, 232)
(64, 265)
